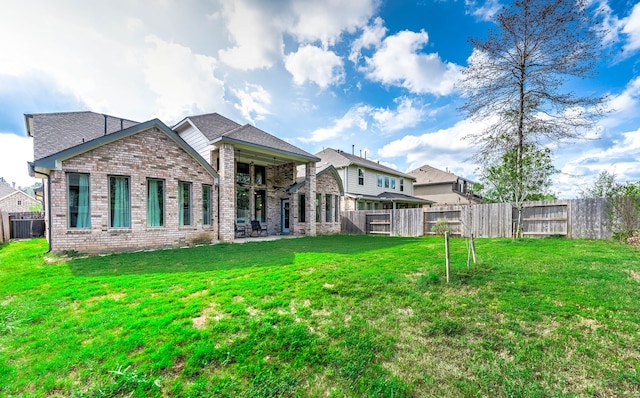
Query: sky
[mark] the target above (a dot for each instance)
(370, 76)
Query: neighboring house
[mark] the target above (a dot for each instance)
(113, 184)
(256, 171)
(13, 200)
(443, 187)
(368, 185)
(327, 201)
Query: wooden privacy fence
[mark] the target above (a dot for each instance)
(21, 225)
(576, 218)
(405, 222)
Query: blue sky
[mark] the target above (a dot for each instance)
(377, 76)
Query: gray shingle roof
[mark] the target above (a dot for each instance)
(55, 132)
(426, 175)
(254, 135)
(6, 189)
(213, 125)
(49, 162)
(341, 159)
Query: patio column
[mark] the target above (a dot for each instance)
(310, 206)
(227, 204)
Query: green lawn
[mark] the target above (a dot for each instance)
(326, 316)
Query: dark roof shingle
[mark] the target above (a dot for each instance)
(55, 132)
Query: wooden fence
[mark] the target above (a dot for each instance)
(405, 222)
(5, 227)
(21, 225)
(577, 218)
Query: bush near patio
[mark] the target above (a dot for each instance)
(324, 316)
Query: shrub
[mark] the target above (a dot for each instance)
(441, 227)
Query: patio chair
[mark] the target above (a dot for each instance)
(239, 232)
(257, 228)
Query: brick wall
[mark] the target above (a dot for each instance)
(325, 184)
(152, 154)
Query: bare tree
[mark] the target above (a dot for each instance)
(516, 76)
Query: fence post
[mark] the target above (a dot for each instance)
(446, 250)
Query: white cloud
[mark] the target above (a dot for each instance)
(13, 159)
(254, 102)
(484, 12)
(183, 82)
(355, 118)
(621, 158)
(325, 20)
(105, 60)
(442, 149)
(405, 116)
(256, 33)
(371, 36)
(632, 29)
(316, 65)
(624, 105)
(398, 62)
(257, 28)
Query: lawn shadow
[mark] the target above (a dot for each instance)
(222, 257)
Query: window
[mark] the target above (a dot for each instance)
(258, 172)
(360, 205)
(379, 181)
(78, 215)
(301, 208)
(243, 176)
(327, 205)
(337, 208)
(318, 200)
(119, 202)
(260, 205)
(386, 182)
(184, 203)
(206, 204)
(19, 203)
(243, 209)
(393, 183)
(155, 202)
(360, 177)
(401, 184)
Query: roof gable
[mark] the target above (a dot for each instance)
(50, 162)
(340, 159)
(211, 125)
(6, 189)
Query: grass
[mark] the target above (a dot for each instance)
(326, 316)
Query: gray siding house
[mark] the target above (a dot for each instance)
(443, 187)
(369, 185)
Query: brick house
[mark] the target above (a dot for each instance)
(13, 200)
(327, 201)
(443, 187)
(113, 184)
(256, 170)
(369, 185)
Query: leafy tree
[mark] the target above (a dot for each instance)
(623, 202)
(507, 183)
(602, 187)
(515, 78)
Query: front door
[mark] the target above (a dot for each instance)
(284, 215)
